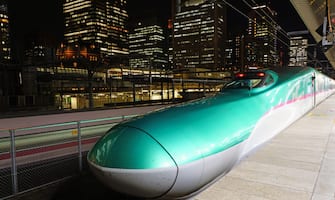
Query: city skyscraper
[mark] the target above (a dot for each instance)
(234, 53)
(100, 22)
(298, 51)
(261, 40)
(147, 46)
(5, 50)
(199, 34)
(9, 81)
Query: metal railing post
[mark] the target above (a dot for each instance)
(13, 161)
(80, 156)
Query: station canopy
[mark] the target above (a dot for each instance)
(319, 18)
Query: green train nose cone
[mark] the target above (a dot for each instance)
(129, 148)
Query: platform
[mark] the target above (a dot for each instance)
(298, 164)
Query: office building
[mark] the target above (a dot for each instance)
(101, 23)
(95, 39)
(147, 46)
(5, 50)
(169, 44)
(261, 39)
(234, 53)
(199, 34)
(9, 83)
(298, 51)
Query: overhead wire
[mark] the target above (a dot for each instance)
(246, 16)
(284, 33)
(237, 10)
(269, 22)
(268, 17)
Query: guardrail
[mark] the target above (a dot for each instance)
(35, 156)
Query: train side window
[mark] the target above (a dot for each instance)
(250, 80)
(269, 79)
(244, 83)
(265, 81)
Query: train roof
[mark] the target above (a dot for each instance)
(289, 73)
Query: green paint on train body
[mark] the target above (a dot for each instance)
(193, 130)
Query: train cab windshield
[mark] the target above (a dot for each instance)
(249, 80)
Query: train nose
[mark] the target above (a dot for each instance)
(130, 161)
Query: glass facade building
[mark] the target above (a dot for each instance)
(298, 51)
(9, 83)
(5, 50)
(261, 41)
(99, 22)
(199, 34)
(234, 53)
(146, 47)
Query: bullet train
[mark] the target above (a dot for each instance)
(177, 152)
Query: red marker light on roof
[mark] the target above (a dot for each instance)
(240, 75)
(261, 74)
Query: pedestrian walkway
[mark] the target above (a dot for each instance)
(298, 164)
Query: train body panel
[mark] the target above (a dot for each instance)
(274, 122)
(196, 176)
(197, 142)
(149, 182)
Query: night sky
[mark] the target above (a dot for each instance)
(36, 16)
(44, 17)
(287, 17)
